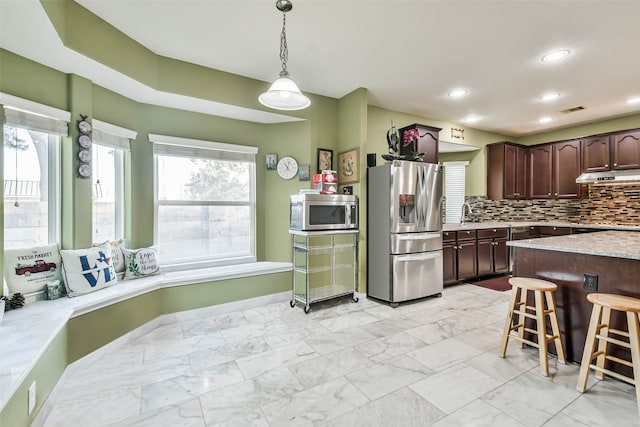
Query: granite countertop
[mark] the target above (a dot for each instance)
(499, 224)
(615, 244)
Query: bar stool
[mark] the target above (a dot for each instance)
(600, 328)
(543, 291)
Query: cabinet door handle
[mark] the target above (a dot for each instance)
(606, 165)
(548, 194)
(555, 194)
(615, 164)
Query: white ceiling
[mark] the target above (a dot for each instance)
(408, 54)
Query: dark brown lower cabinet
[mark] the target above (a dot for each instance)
(449, 263)
(467, 259)
(493, 253)
(469, 254)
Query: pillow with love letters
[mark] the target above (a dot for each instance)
(87, 270)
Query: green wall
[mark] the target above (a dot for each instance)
(605, 126)
(379, 121)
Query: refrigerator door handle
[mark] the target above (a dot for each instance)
(419, 236)
(418, 257)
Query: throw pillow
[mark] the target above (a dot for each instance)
(87, 270)
(29, 269)
(141, 262)
(117, 257)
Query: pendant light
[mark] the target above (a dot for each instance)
(284, 93)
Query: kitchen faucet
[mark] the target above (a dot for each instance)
(468, 210)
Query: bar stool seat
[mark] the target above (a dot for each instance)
(599, 332)
(543, 292)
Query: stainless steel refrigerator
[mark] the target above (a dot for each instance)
(404, 231)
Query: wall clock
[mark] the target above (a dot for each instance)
(287, 167)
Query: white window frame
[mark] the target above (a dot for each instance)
(165, 145)
(25, 114)
(119, 138)
(454, 188)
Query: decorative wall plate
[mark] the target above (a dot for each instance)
(84, 141)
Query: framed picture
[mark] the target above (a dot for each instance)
(349, 166)
(325, 159)
(272, 161)
(303, 172)
(347, 189)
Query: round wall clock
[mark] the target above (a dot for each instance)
(287, 167)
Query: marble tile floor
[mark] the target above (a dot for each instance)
(431, 362)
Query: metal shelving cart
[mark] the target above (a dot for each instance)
(325, 265)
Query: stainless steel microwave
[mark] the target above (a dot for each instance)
(310, 211)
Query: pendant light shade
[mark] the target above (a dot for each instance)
(284, 93)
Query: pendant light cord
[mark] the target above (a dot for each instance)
(284, 51)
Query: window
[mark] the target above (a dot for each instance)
(454, 189)
(31, 172)
(109, 146)
(108, 194)
(204, 202)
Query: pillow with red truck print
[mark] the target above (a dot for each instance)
(28, 270)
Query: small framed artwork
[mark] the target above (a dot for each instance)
(325, 159)
(303, 172)
(347, 189)
(349, 166)
(272, 161)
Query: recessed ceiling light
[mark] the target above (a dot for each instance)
(458, 93)
(472, 118)
(545, 119)
(556, 55)
(550, 96)
(633, 100)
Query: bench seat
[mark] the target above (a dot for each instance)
(26, 333)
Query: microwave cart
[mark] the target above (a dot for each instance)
(324, 265)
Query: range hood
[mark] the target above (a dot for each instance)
(609, 176)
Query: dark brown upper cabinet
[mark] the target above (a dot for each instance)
(596, 154)
(540, 171)
(620, 150)
(427, 142)
(553, 169)
(626, 149)
(507, 171)
(566, 168)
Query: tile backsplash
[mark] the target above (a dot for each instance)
(607, 204)
(533, 210)
(614, 203)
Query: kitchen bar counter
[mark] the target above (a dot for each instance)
(606, 262)
(616, 244)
